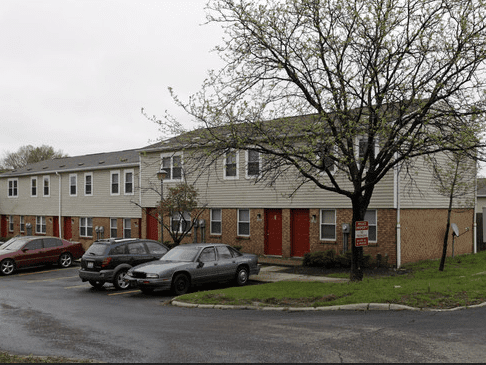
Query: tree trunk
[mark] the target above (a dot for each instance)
(359, 209)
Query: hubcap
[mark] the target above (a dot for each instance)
(7, 267)
(121, 282)
(243, 276)
(65, 260)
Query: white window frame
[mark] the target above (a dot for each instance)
(32, 179)
(187, 218)
(22, 224)
(357, 154)
(321, 224)
(86, 174)
(71, 185)
(125, 173)
(11, 225)
(46, 178)
(247, 163)
(113, 227)
(371, 211)
(127, 227)
(170, 169)
(225, 162)
(220, 221)
(40, 221)
(115, 172)
(13, 188)
(244, 222)
(85, 223)
(334, 149)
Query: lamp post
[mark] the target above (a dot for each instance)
(161, 175)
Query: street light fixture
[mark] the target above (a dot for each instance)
(161, 175)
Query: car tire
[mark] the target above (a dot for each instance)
(147, 290)
(118, 280)
(7, 267)
(181, 284)
(241, 276)
(97, 284)
(65, 260)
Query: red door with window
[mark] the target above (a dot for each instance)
(300, 242)
(273, 232)
(152, 225)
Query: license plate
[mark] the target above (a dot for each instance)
(90, 265)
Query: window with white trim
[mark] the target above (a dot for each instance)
(216, 221)
(231, 165)
(86, 227)
(173, 167)
(73, 185)
(371, 218)
(243, 222)
(115, 183)
(11, 223)
(113, 228)
(13, 188)
(22, 223)
(88, 184)
(33, 187)
(362, 146)
(323, 155)
(40, 225)
(252, 163)
(127, 228)
(128, 182)
(328, 225)
(180, 222)
(46, 192)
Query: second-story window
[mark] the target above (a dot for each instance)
(173, 167)
(73, 184)
(252, 163)
(33, 187)
(13, 190)
(231, 165)
(115, 183)
(128, 182)
(46, 186)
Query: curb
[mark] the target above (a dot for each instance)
(348, 307)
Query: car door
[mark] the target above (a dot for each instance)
(207, 266)
(31, 254)
(137, 253)
(226, 262)
(53, 249)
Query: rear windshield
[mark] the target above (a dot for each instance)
(97, 249)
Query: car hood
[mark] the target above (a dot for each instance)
(160, 266)
(6, 252)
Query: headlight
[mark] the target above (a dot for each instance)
(151, 276)
(130, 273)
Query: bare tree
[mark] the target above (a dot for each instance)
(373, 83)
(29, 154)
(454, 179)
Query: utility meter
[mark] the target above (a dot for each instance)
(345, 227)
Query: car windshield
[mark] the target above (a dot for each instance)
(181, 253)
(15, 243)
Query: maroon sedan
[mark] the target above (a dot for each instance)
(27, 251)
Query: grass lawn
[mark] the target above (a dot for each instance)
(7, 358)
(463, 282)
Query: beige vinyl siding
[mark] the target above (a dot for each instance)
(150, 184)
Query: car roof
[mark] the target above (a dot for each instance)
(201, 244)
(113, 241)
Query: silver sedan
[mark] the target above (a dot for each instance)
(191, 264)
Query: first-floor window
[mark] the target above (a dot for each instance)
(11, 223)
(113, 228)
(86, 227)
(22, 223)
(243, 222)
(370, 216)
(40, 224)
(127, 228)
(216, 221)
(180, 222)
(328, 224)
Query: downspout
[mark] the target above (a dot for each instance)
(399, 236)
(59, 220)
(475, 225)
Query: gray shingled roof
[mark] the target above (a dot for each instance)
(79, 163)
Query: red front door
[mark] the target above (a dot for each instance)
(55, 227)
(68, 232)
(299, 232)
(273, 232)
(3, 225)
(152, 225)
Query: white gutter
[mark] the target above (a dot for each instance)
(60, 205)
(399, 236)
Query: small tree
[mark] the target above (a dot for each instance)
(453, 180)
(29, 154)
(182, 206)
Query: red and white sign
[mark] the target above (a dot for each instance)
(361, 234)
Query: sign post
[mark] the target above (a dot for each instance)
(361, 234)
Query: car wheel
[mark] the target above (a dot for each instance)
(97, 284)
(7, 266)
(147, 290)
(119, 280)
(181, 284)
(241, 276)
(65, 260)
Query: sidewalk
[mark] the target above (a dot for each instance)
(274, 273)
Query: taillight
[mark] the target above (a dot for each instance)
(106, 262)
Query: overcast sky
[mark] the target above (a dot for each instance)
(75, 73)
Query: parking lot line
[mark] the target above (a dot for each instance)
(77, 286)
(125, 292)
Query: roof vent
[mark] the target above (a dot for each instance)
(101, 162)
(28, 168)
(62, 165)
(45, 167)
(81, 164)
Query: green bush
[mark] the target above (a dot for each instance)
(329, 260)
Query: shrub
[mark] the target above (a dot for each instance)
(325, 259)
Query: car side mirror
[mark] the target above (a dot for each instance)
(199, 264)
